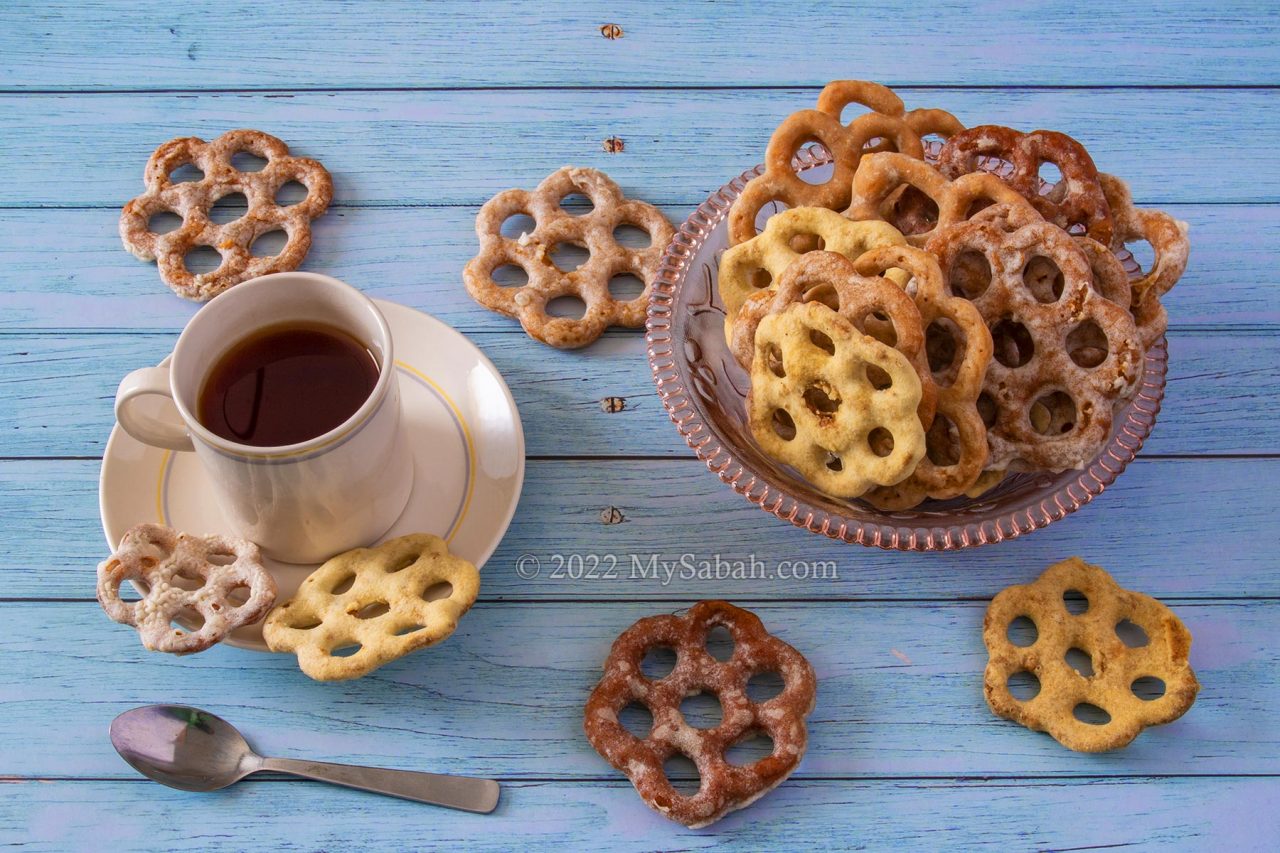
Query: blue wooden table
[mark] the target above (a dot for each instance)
(422, 111)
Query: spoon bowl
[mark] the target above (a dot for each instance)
(183, 747)
(193, 750)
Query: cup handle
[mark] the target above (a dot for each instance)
(156, 430)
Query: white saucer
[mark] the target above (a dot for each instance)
(468, 448)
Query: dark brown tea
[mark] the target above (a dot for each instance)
(286, 383)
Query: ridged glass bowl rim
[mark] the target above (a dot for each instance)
(1134, 421)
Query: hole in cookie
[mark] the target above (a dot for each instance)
(626, 287)
(822, 399)
(1075, 601)
(304, 623)
(1043, 279)
(834, 463)
(221, 558)
(637, 719)
(822, 342)
(372, 610)
(569, 307)
(877, 144)
(878, 325)
(995, 165)
(408, 629)
(1023, 685)
(915, 212)
(879, 377)
(186, 173)
(164, 221)
(437, 591)
(1053, 414)
(1013, 346)
(1090, 714)
(239, 595)
(805, 243)
(569, 256)
(188, 579)
(658, 662)
(683, 775)
(576, 204)
(129, 592)
(760, 278)
(517, 225)
(814, 177)
(720, 643)
(977, 206)
(348, 580)
(1148, 688)
(201, 260)
(1087, 344)
(943, 349)
(632, 236)
(290, 193)
(247, 161)
(754, 746)
(702, 711)
(229, 208)
(766, 212)
(187, 619)
(1080, 661)
(345, 651)
(1050, 177)
(783, 425)
(509, 275)
(970, 274)
(986, 406)
(1144, 255)
(880, 440)
(942, 442)
(763, 686)
(773, 359)
(403, 563)
(1022, 632)
(1131, 635)
(269, 244)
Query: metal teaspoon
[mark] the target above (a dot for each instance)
(194, 750)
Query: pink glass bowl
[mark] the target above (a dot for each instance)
(704, 391)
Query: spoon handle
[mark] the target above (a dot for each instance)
(455, 792)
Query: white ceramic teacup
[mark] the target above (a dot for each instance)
(304, 502)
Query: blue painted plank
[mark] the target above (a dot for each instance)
(57, 391)
(96, 45)
(449, 147)
(899, 694)
(66, 268)
(1199, 528)
(1075, 814)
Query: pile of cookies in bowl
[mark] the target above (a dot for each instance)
(949, 308)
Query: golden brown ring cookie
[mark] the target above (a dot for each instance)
(882, 179)
(1117, 664)
(1076, 201)
(1037, 297)
(886, 127)
(193, 200)
(553, 226)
